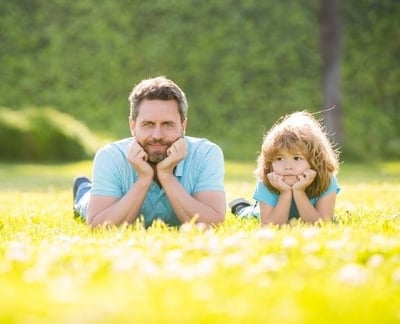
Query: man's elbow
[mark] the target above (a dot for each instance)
(92, 222)
(217, 219)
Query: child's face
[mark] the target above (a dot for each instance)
(290, 165)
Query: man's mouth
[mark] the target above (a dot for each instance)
(157, 147)
(157, 144)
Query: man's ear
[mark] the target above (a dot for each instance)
(132, 126)
(184, 124)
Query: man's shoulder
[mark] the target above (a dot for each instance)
(118, 146)
(198, 143)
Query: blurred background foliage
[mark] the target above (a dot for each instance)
(44, 134)
(242, 64)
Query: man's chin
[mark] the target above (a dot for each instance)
(156, 157)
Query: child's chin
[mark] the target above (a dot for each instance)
(290, 180)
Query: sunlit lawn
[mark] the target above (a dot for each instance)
(53, 269)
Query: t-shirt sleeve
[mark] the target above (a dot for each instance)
(211, 170)
(263, 194)
(106, 173)
(333, 187)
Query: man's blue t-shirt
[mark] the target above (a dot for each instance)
(201, 170)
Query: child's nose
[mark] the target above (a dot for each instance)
(288, 164)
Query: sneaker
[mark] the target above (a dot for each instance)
(237, 204)
(77, 183)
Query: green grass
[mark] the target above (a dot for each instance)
(54, 269)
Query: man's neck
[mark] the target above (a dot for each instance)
(155, 177)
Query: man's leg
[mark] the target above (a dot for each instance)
(81, 193)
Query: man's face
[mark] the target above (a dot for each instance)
(157, 126)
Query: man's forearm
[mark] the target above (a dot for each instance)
(124, 210)
(186, 206)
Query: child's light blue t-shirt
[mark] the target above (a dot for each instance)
(262, 193)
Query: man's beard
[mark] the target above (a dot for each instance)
(157, 156)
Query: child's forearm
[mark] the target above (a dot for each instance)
(279, 214)
(308, 213)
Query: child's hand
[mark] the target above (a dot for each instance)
(278, 183)
(305, 179)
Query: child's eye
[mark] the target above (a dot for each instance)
(298, 158)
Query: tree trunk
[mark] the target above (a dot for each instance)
(330, 47)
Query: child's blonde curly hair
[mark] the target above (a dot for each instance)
(300, 132)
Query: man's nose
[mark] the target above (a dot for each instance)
(157, 132)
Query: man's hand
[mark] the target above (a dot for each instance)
(175, 153)
(278, 183)
(137, 157)
(305, 179)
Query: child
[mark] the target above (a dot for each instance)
(295, 174)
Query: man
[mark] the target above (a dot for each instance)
(158, 173)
